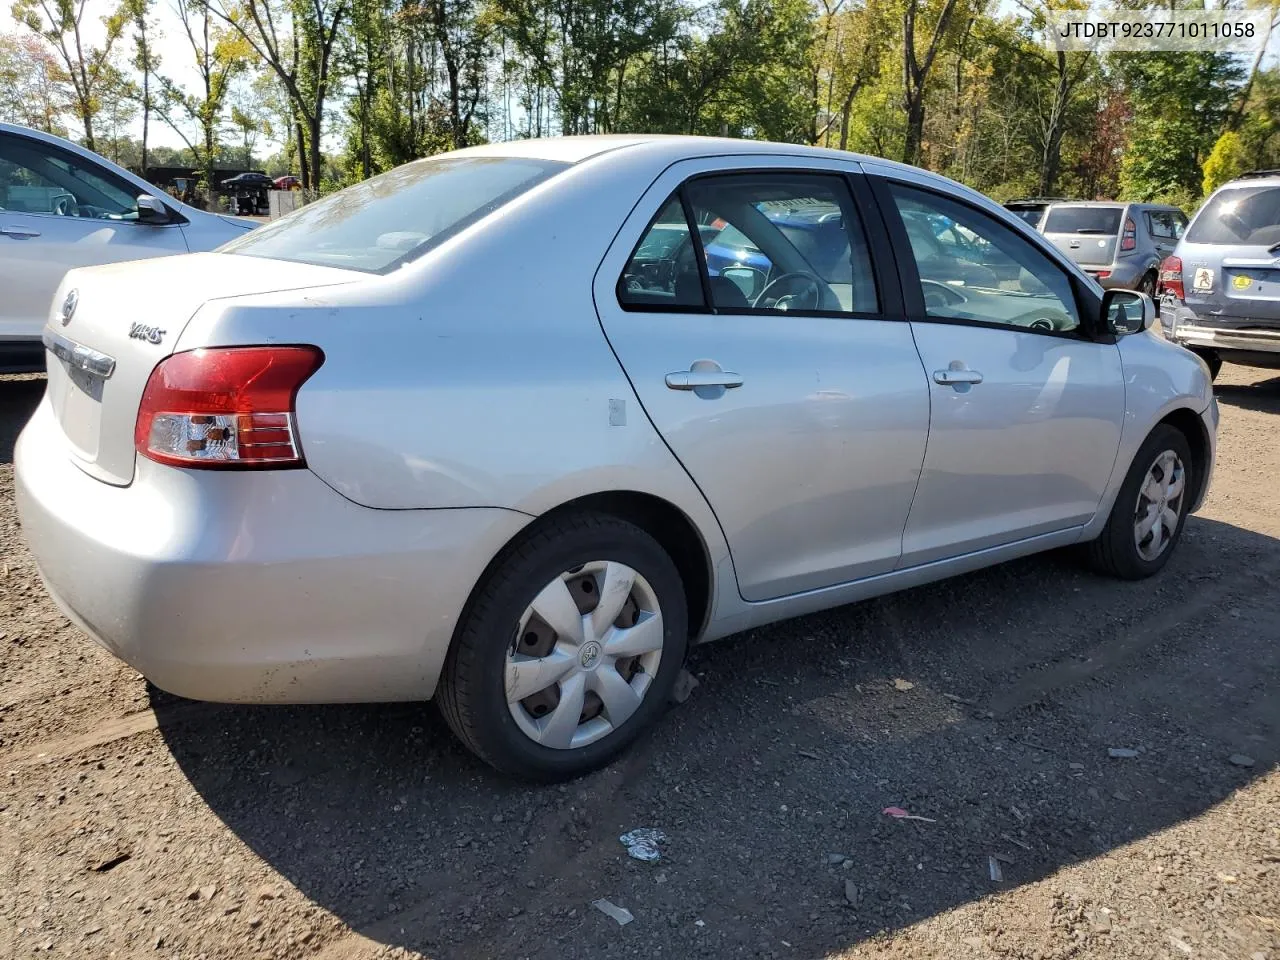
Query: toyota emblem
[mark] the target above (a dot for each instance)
(69, 306)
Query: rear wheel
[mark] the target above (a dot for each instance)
(1147, 285)
(569, 650)
(1150, 511)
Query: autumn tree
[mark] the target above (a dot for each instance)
(86, 66)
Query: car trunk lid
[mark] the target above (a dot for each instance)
(110, 326)
(1086, 234)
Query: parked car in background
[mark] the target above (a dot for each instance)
(1118, 244)
(248, 192)
(62, 206)
(287, 182)
(1031, 209)
(233, 500)
(248, 181)
(1220, 290)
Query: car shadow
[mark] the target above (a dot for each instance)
(987, 704)
(1263, 396)
(19, 397)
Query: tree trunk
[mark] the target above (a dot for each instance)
(304, 162)
(914, 105)
(313, 146)
(86, 117)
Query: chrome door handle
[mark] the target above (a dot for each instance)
(692, 379)
(952, 376)
(19, 233)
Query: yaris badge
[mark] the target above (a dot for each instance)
(140, 331)
(69, 307)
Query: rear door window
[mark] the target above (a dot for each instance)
(1165, 224)
(1239, 215)
(1097, 220)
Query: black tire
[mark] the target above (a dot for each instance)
(1147, 284)
(1213, 359)
(472, 693)
(1115, 552)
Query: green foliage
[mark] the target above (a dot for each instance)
(1227, 161)
(1181, 102)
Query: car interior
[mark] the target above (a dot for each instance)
(35, 181)
(769, 245)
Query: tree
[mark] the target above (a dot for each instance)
(1226, 162)
(87, 67)
(219, 55)
(296, 39)
(33, 90)
(1181, 102)
(916, 68)
(851, 61)
(250, 116)
(145, 61)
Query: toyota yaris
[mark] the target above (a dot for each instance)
(487, 429)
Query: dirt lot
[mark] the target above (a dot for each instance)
(136, 824)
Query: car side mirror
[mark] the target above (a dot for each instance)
(152, 210)
(1127, 311)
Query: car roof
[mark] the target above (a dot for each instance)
(1095, 204)
(672, 148)
(1260, 178)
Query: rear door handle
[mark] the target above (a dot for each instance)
(19, 233)
(692, 379)
(952, 376)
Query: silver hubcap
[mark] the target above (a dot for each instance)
(1159, 505)
(584, 656)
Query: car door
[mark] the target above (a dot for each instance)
(1027, 405)
(767, 347)
(58, 210)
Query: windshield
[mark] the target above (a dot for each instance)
(383, 223)
(1240, 215)
(1083, 220)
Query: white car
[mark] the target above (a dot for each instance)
(62, 206)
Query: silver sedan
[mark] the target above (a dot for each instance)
(512, 427)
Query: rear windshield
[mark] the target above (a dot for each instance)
(1248, 215)
(384, 222)
(1083, 220)
(1031, 215)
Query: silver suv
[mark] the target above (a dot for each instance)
(1220, 291)
(1118, 244)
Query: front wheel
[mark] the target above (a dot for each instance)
(1150, 511)
(569, 650)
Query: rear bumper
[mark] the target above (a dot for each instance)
(1185, 328)
(1123, 276)
(263, 587)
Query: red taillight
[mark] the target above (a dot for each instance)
(1171, 278)
(225, 407)
(1103, 274)
(1129, 239)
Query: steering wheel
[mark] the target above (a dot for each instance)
(814, 284)
(940, 294)
(66, 206)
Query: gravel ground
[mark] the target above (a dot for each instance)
(135, 824)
